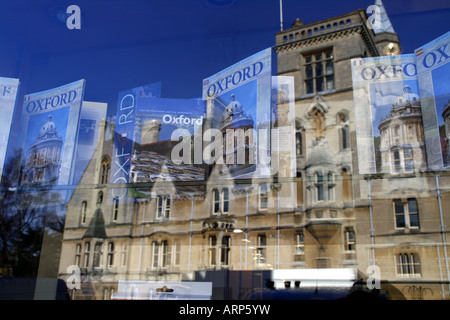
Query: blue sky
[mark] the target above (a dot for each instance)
(123, 44)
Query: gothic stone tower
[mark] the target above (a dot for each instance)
(318, 56)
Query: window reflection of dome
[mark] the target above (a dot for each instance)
(408, 98)
(49, 128)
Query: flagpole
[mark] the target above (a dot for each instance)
(281, 14)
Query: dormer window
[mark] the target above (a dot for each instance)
(221, 201)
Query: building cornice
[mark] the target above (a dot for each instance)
(330, 36)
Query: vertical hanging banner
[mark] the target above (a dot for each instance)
(433, 69)
(388, 115)
(50, 120)
(237, 130)
(283, 140)
(8, 93)
(92, 113)
(124, 133)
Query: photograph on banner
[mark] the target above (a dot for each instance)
(238, 124)
(388, 115)
(51, 121)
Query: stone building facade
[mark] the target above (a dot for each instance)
(326, 217)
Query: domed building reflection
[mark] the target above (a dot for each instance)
(43, 157)
(402, 146)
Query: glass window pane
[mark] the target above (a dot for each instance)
(225, 195)
(329, 67)
(319, 84)
(330, 177)
(416, 264)
(319, 177)
(263, 202)
(216, 196)
(225, 206)
(320, 193)
(330, 83)
(319, 70)
(414, 220)
(309, 86)
(299, 143)
(309, 72)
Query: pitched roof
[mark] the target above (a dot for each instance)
(96, 228)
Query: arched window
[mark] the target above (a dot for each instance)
(344, 132)
(212, 241)
(87, 252)
(105, 167)
(299, 143)
(78, 255)
(98, 253)
(216, 201)
(115, 208)
(110, 261)
(397, 161)
(319, 121)
(83, 212)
